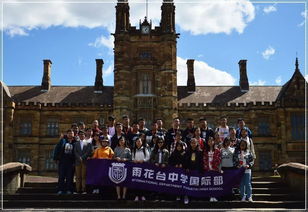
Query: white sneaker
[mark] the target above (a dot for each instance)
(178, 198)
(143, 198)
(136, 199)
(213, 199)
(243, 199)
(84, 192)
(186, 200)
(250, 199)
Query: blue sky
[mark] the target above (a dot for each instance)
(217, 34)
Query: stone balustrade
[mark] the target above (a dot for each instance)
(294, 175)
(14, 175)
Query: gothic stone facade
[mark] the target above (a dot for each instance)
(145, 86)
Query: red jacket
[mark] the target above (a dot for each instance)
(215, 162)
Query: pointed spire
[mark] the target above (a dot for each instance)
(296, 64)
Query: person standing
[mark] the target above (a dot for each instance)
(193, 160)
(241, 125)
(170, 136)
(160, 127)
(118, 134)
(223, 129)
(111, 125)
(189, 132)
(82, 151)
(211, 159)
(244, 158)
(206, 131)
(64, 157)
(140, 154)
(122, 153)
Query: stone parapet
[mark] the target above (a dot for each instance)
(14, 176)
(294, 175)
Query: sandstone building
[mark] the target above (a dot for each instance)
(145, 77)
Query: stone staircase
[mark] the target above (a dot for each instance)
(268, 192)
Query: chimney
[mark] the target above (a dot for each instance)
(191, 86)
(244, 85)
(98, 87)
(46, 82)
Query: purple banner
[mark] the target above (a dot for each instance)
(168, 180)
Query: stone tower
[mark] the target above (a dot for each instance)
(145, 83)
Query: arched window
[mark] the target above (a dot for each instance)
(145, 85)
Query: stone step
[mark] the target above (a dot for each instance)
(101, 204)
(268, 184)
(37, 185)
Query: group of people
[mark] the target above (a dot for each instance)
(194, 148)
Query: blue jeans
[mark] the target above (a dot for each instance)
(245, 186)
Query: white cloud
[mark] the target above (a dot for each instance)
(204, 74)
(267, 53)
(278, 80)
(108, 71)
(306, 77)
(259, 82)
(304, 14)
(23, 17)
(103, 41)
(269, 9)
(220, 16)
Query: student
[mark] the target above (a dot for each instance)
(211, 159)
(160, 127)
(89, 134)
(103, 152)
(170, 136)
(122, 153)
(111, 125)
(140, 154)
(250, 146)
(217, 141)
(227, 155)
(241, 124)
(159, 157)
(206, 131)
(126, 127)
(151, 133)
(233, 139)
(177, 158)
(178, 139)
(197, 136)
(118, 134)
(244, 158)
(189, 132)
(64, 157)
(82, 150)
(193, 160)
(81, 126)
(95, 144)
(133, 134)
(142, 128)
(104, 133)
(223, 129)
(95, 127)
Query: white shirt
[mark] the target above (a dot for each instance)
(111, 131)
(139, 155)
(223, 132)
(89, 140)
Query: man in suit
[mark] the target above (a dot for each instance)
(82, 151)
